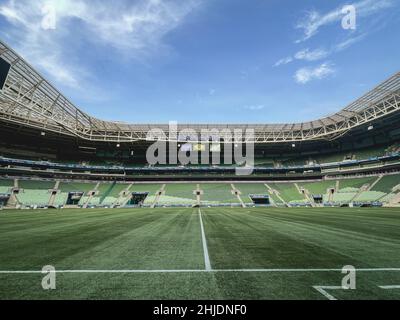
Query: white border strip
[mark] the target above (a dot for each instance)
(207, 262)
(200, 270)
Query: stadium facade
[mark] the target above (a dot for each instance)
(47, 144)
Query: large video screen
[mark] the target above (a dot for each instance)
(4, 69)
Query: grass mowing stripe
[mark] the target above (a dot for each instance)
(263, 240)
(138, 239)
(207, 262)
(156, 253)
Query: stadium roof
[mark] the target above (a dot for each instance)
(29, 99)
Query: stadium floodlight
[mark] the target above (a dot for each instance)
(118, 145)
(293, 145)
(371, 127)
(42, 133)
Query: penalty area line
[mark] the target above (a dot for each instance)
(322, 290)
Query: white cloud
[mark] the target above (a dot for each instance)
(254, 107)
(349, 42)
(305, 75)
(314, 20)
(311, 55)
(134, 29)
(305, 54)
(39, 47)
(283, 61)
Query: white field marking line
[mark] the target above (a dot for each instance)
(198, 271)
(207, 262)
(389, 287)
(321, 290)
(306, 270)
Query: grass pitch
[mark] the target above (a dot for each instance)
(254, 253)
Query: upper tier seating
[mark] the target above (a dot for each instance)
(356, 182)
(387, 183)
(77, 186)
(6, 185)
(36, 185)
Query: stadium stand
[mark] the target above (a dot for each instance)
(152, 189)
(276, 200)
(67, 187)
(335, 157)
(369, 153)
(369, 196)
(246, 189)
(343, 197)
(349, 156)
(112, 194)
(36, 184)
(34, 192)
(295, 162)
(288, 192)
(387, 183)
(6, 185)
(178, 194)
(60, 199)
(387, 198)
(76, 186)
(382, 188)
(264, 162)
(217, 193)
(34, 197)
(356, 183)
(83, 201)
(319, 187)
(101, 192)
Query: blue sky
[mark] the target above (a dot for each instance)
(206, 61)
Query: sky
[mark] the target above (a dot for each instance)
(207, 61)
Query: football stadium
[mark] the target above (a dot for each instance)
(94, 209)
(76, 193)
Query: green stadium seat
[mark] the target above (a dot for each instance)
(218, 193)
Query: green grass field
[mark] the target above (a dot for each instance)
(257, 253)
